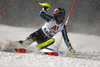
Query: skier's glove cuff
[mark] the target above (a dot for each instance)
(44, 9)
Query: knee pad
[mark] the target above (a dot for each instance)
(46, 44)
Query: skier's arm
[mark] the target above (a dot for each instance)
(46, 17)
(66, 40)
(64, 33)
(65, 36)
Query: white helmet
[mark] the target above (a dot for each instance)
(59, 12)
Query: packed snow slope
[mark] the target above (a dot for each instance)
(87, 50)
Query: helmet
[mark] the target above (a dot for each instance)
(59, 12)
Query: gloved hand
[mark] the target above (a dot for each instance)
(45, 8)
(71, 51)
(70, 48)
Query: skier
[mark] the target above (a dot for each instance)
(44, 35)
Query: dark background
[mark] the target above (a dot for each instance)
(85, 17)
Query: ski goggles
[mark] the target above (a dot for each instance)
(61, 15)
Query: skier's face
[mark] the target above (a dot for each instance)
(60, 19)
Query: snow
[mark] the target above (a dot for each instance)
(87, 50)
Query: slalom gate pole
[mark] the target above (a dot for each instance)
(68, 17)
(1, 17)
(70, 13)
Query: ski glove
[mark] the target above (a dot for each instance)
(45, 8)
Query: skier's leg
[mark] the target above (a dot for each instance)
(46, 43)
(25, 42)
(10, 45)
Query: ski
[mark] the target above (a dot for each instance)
(30, 49)
(22, 50)
(54, 50)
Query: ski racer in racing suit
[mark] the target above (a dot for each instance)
(53, 25)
